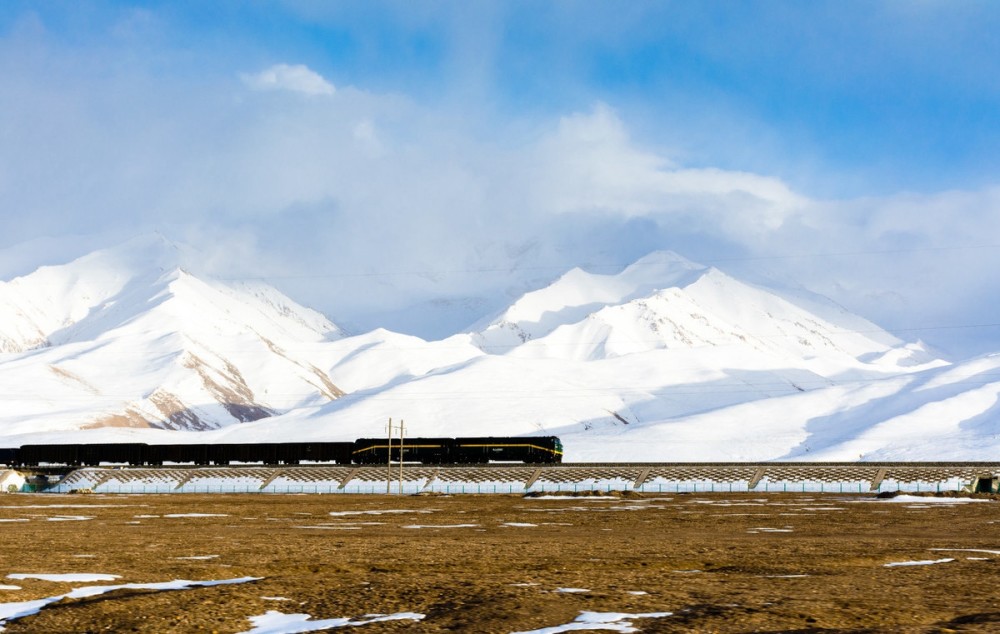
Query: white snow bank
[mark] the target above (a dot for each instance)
(274, 622)
(589, 621)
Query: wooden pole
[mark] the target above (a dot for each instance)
(401, 456)
(388, 461)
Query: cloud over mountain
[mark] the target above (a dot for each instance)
(291, 77)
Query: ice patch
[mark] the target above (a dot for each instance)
(589, 621)
(274, 622)
(926, 562)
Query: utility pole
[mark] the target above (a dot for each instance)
(388, 458)
(401, 456)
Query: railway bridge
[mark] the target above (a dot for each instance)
(827, 477)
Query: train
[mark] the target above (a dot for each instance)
(478, 450)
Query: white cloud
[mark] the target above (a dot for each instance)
(590, 163)
(293, 78)
(372, 202)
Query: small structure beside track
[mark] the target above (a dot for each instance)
(520, 479)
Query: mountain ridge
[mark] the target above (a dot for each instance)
(666, 360)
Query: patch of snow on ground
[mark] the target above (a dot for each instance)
(770, 530)
(920, 499)
(274, 622)
(966, 550)
(572, 590)
(381, 512)
(7, 587)
(442, 526)
(926, 562)
(176, 515)
(589, 621)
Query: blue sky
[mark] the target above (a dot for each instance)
(849, 147)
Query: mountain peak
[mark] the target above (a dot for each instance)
(579, 293)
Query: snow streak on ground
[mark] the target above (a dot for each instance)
(12, 611)
(925, 562)
(274, 622)
(64, 578)
(591, 621)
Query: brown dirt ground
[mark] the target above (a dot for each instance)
(702, 557)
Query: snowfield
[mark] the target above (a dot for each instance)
(667, 360)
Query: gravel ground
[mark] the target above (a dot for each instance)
(483, 564)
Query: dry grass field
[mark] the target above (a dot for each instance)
(483, 564)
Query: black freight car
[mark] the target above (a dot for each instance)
(131, 453)
(297, 452)
(176, 454)
(34, 455)
(8, 456)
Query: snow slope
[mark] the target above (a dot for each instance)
(665, 361)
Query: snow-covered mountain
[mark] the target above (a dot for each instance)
(666, 360)
(125, 337)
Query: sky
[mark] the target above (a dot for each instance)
(419, 165)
